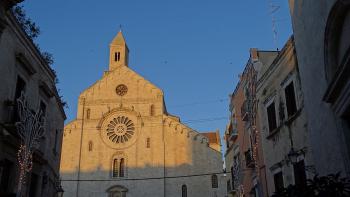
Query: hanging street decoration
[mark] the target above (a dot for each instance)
(30, 130)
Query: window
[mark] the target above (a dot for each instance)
(271, 116)
(278, 180)
(33, 184)
(152, 110)
(184, 191)
(87, 113)
(43, 108)
(121, 167)
(228, 184)
(6, 169)
(249, 160)
(148, 142)
(115, 168)
(290, 99)
(43, 111)
(299, 174)
(90, 146)
(20, 87)
(214, 181)
(117, 56)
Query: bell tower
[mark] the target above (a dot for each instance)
(118, 52)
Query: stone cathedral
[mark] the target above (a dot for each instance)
(124, 143)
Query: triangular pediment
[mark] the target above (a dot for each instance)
(138, 88)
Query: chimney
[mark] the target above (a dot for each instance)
(254, 54)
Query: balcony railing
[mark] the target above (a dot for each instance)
(245, 110)
(233, 134)
(249, 160)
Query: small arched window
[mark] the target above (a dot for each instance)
(90, 146)
(121, 167)
(152, 110)
(87, 113)
(184, 191)
(117, 56)
(214, 181)
(337, 42)
(148, 142)
(115, 168)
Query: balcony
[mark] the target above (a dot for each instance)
(233, 134)
(245, 110)
(249, 160)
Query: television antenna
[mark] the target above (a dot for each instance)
(273, 9)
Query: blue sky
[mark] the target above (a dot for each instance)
(193, 50)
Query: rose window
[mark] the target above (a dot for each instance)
(121, 89)
(120, 129)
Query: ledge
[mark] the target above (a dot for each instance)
(45, 89)
(25, 63)
(288, 122)
(293, 117)
(272, 133)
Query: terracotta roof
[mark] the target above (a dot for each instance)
(212, 136)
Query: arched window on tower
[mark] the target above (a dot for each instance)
(121, 167)
(214, 181)
(152, 110)
(115, 168)
(184, 191)
(148, 142)
(90, 146)
(117, 56)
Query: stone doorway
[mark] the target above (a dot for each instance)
(117, 191)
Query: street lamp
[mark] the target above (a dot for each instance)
(60, 191)
(293, 156)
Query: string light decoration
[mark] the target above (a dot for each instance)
(30, 130)
(252, 80)
(241, 191)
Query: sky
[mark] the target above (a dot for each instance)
(193, 50)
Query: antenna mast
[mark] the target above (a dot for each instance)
(273, 9)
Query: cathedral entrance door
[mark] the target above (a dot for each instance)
(117, 194)
(117, 191)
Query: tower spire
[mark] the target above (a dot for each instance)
(118, 52)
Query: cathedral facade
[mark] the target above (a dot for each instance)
(124, 143)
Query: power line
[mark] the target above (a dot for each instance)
(204, 120)
(199, 103)
(193, 121)
(151, 178)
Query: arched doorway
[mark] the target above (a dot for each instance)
(117, 191)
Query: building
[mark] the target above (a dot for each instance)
(283, 123)
(23, 69)
(125, 143)
(244, 156)
(321, 32)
